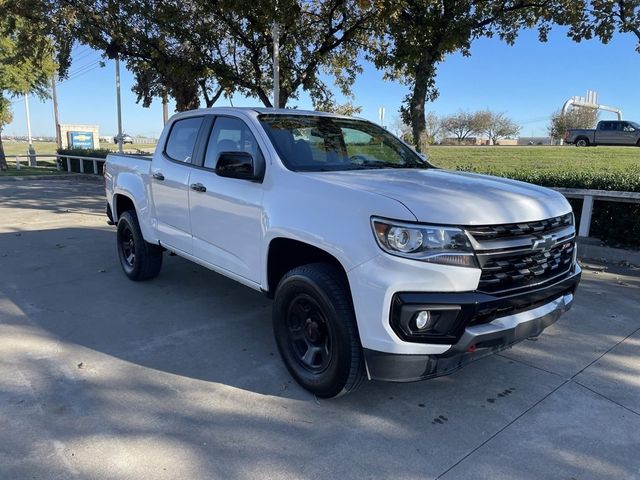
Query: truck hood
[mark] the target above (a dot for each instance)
(455, 198)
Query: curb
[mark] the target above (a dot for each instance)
(607, 254)
(53, 176)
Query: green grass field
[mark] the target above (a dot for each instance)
(49, 148)
(535, 158)
(47, 166)
(533, 163)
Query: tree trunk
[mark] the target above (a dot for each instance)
(416, 110)
(424, 73)
(3, 159)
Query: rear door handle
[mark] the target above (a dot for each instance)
(158, 176)
(198, 187)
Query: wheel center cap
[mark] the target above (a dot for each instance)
(312, 330)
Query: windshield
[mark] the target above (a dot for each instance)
(324, 144)
(634, 125)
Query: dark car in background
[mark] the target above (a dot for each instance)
(607, 132)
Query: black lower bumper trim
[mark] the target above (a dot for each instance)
(390, 367)
(475, 307)
(529, 314)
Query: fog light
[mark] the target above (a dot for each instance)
(423, 319)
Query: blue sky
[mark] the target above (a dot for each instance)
(527, 81)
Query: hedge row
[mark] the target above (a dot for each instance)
(616, 224)
(85, 152)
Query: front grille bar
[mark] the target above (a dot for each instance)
(511, 263)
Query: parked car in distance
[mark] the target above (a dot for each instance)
(125, 139)
(379, 264)
(607, 132)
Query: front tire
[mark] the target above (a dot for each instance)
(316, 332)
(139, 260)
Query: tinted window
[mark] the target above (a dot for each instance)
(605, 126)
(322, 143)
(229, 135)
(182, 139)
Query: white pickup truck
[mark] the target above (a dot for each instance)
(380, 265)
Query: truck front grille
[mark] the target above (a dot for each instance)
(510, 271)
(490, 232)
(523, 255)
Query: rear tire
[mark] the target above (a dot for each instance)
(315, 329)
(582, 142)
(139, 260)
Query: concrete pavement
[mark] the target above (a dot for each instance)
(179, 377)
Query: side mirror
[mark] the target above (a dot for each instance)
(240, 165)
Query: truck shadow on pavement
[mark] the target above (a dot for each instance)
(118, 361)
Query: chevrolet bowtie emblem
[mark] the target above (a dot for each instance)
(544, 243)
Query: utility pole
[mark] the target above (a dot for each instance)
(165, 107)
(31, 151)
(276, 65)
(119, 106)
(56, 118)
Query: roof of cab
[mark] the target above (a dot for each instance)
(266, 111)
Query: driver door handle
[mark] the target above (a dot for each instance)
(158, 176)
(198, 187)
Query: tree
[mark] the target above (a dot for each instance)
(602, 18)
(420, 34)
(348, 109)
(5, 118)
(26, 66)
(433, 129)
(200, 48)
(462, 124)
(578, 117)
(401, 129)
(496, 125)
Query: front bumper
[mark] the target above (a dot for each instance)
(478, 340)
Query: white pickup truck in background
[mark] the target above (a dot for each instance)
(381, 266)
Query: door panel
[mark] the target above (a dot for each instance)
(226, 223)
(170, 179)
(628, 135)
(226, 219)
(171, 199)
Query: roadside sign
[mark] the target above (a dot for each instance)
(80, 139)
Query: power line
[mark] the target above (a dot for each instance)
(85, 67)
(80, 74)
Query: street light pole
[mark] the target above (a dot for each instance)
(276, 65)
(31, 151)
(56, 118)
(119, 105)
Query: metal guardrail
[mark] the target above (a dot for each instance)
(33, 161)
(588, 196)
(93, 160)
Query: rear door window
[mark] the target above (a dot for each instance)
(182, 139)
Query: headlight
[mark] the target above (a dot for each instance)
(428, 243)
